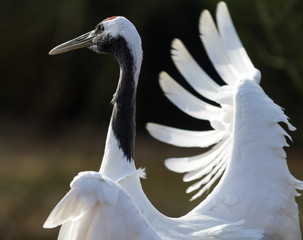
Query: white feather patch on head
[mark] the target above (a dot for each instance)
(121, 26)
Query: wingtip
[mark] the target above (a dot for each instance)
(175, 42)
(48, 224)
(153, 130)
(164, 79)
(205, 21)
(221, 6)
(168, 163)
(175, 46)
(45, 225)
(172, 164)
(222, 12)
(196, 196)
(149, 127)
(222, 9)
(162, 75)
(204, 14)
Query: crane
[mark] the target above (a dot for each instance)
(110, 203)
(246, 138)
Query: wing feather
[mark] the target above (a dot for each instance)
(215, 50)
(206, 169)
(192, 72)
(94, 208)
(184, 138)
(211, 178)
(185, 101)
(246, 137)
(188, 164)
(209, 166)
(232, 44)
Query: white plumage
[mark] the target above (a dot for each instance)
(256, 185)
(97, 207)
(111, 205)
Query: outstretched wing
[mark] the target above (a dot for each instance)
(247, 139)
(231, 61)
(98, 208)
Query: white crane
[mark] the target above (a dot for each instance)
(247, 140)
(110, 204)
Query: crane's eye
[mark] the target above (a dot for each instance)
(99, 28)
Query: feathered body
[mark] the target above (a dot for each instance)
(111, 204)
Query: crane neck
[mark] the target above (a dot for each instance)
(119, 149)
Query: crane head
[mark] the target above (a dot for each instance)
(103, 39)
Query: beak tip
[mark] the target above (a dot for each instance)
(79, 42)
(53, 52)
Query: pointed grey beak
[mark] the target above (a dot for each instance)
(82, 41)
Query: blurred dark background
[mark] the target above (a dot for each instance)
(54, 107)
(52, 92)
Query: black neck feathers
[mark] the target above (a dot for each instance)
(124, 101)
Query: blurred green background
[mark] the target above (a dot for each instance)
(54, 110)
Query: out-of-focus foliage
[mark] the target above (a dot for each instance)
(77, 87)
(279, 49)
(281, 25)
